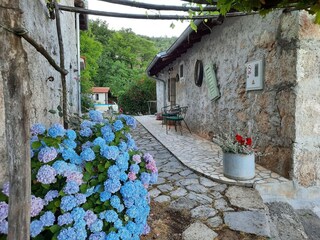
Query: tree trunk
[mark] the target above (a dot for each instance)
(15, 76)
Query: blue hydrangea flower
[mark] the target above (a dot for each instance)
(4, 210)
(71, 134)
(67, 234)
(87, 154)
(65, 219)
(69, 143)
(131, 226)
(104, 196)
(128, 202)
(36, 227)
(87, 144)
(115, 201)
(122, 162)
(109, 137)
(112, 236)
(98, 236)
(106, 129)
(112, 185)
(99, 141)
(110, 152)
(78, 214)
(81, 198)
(131, 144)
(134, 168)
(87, 124)
(71, 187)
(123, 176)
(127, 190)
(37, 129)
(68, 203)
(4, 227)
(56, 130)
(131, 122)
(124, 234)
(89, 192)
(96, 226)
(90, 217)
(114, 172)
(117, 125)
(60, 166)
(85, 132)
(47, 154)
(47, 219)
(46, 174)
(145, 178)
(132, 212)
(37, 205)
(52, 194)
(123, 146)
(153, 178)
(111, 216)
(118, 224)
(95, 116)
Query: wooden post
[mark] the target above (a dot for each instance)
(15, 76)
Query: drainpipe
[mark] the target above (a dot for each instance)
(164, 88)
(78, 61)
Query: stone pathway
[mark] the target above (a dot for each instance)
(205, 158)
(214, 205)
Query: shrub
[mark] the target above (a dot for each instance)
(87, 184)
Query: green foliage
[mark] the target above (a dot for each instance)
(134, 98)
(91, 50)
(86, 103)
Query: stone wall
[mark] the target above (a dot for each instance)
(46, 95)
(268, 115)
(307, 143)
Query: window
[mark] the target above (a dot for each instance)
(172, 91)
(97, 96)
(181, 70)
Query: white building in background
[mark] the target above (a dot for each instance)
(100, 95)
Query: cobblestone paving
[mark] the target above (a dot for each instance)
(208, 201)
(201, 155)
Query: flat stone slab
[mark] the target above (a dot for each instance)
(222, 205)
(185, 172)
(246, 198)
(215, 222)
(154, 193)
(200, 198)
(165, 188)
(286, 222)
(162, 198)
(203, 212)
(207, 183)
(180, 192)
(183, 203)
(255, 222)
(197, 188)
(189, 181)
(198, 231)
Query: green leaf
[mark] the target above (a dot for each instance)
(59, 108)
(60, 114)
(193, 26)
(88, 167)
(51, 142)
(83, 188)
(101, 167)
(86, 176)
(36, 145)
(317, 19)
(54, 228)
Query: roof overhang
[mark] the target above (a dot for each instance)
(182, 44)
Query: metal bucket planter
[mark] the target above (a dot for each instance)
(238, 166)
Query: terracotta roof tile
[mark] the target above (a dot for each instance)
(100, 90)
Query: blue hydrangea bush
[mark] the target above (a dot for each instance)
(87, 184)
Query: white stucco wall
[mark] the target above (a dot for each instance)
(103, 98)
(46, 94)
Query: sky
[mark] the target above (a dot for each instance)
(152, 28)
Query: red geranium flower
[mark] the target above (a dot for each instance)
(249, 141)
(240, 139)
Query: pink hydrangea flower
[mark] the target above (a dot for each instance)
(132, 176)
(136, 158)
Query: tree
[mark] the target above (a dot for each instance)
(91, 49)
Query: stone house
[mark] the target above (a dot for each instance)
(260, 77)
(45, 85)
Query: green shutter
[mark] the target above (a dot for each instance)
(211, 80)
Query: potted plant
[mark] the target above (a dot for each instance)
(238, 156)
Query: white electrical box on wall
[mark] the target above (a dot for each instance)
(255, 75)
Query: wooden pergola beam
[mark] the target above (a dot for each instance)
(134, 16)
(160, 7)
